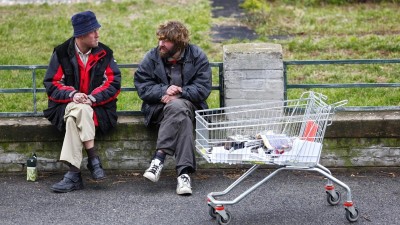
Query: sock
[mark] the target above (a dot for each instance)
(184, 171)
(74, 168)
(91, 152)
(160, 155)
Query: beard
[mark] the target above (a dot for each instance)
(167, 53)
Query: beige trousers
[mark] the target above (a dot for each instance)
(79, 127)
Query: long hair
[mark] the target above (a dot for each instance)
(175, 32)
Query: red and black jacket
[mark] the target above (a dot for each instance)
(63, 79)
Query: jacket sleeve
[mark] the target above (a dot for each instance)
(149, 88)
(199, 88)
(110, 87)
(54, 83)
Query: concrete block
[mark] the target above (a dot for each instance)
(253, 56)
(253, 66)
(232, 84)
(234, 94)
(263, 74)
(380, 152)
(262, 95)
(253, 62)
(267, 49)
(394, 152)
(387, 161)
(253, 74)
(236, 102)
(253, 84)
(332, 162)
(274, 85)
(363, 161)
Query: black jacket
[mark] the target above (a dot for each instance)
(151, 80)
(62, 81)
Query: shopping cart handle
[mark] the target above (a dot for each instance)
(339, 104)
(334, 107)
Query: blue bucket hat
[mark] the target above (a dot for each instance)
(84, 22)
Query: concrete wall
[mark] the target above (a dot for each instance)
(129, 146)
(355, 139)
(253, 73)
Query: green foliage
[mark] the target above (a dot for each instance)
(28, 34)
(334, 2)
(322, 31)
(257, 10)
(306, 29)
(255, 5)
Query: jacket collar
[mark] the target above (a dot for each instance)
(98, 51)
(159, 70)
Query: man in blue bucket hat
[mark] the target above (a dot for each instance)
(82, 84)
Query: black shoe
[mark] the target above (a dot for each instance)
(95, 168)
(71, 181)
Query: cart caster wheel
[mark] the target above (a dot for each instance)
(212, 212)
(331, 200)
(222, 221)
(352, 217)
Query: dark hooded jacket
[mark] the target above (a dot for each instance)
(151, 80)
(62, 81)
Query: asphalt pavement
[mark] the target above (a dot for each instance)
(125, 197)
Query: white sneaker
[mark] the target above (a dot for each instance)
(154, 171)
(184, 187)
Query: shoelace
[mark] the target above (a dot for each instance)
(153, 169)
(185, 179)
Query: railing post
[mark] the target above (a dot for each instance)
(253, 73)
(221, 85)
(284, 81)
(34, 90)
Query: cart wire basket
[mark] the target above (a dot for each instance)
(288, 134)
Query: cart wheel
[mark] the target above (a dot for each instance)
(222, 221)
(331, 200)
(212, 212)
(350, 216)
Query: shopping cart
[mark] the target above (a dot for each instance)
(287, 134)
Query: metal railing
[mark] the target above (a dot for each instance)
(341, 85)
(34, 90)
(220, 87)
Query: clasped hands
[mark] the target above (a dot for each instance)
(81, 98)
(173, 92)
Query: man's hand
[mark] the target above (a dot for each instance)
(173, 90)
(167, 98)
(88, 102)
(81, 98)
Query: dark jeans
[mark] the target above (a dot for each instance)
(175, 134)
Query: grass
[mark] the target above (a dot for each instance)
(336, 32)
(28, 34)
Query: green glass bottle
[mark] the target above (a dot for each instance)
(31, 171)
